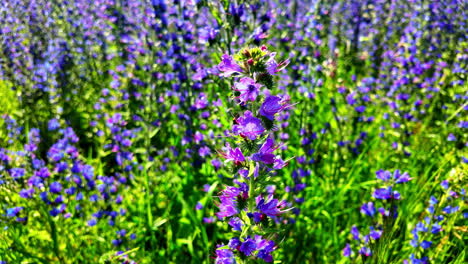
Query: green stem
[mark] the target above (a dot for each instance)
(53, 234)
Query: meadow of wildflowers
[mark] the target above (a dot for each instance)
(194, 131)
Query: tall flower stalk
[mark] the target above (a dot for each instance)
(249, 206)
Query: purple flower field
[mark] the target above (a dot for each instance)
(248, 132)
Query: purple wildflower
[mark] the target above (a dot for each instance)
(228, 205)
(347, 250)
(248, 126)
(265, 152)
(228, 66)
(248, 89)
(224, 256)
(383, 193)
(383, 175)
(55, 187)
(355, 233)
(234, 155)
(236, 224)
(401, 178)
(248, 246)
(271, 207)
(273, 105)
(426, 244)
(264, 247)
(368, 209)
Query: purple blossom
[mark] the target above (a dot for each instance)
(12, 212)
(265, 248)
(234, 243)
(270, 207)
(375, 234)
(401, 178)
(228, 66)
(368, 209)
(444, 184)
(248, 89)
(347, 250)
(271, 106)
(248, 126)
(17, 173)
(234, 155)
(265, 153)
(236, 223)
(426, 244)
(279, 163)
(274, 67)
(26, 193)
(365, 251)
(383, 193)
(355, 233)
(383, 175)
(436, 228)
(228, 205)
(224, 256)
(248, 246)
(451, 137)
(55, 187)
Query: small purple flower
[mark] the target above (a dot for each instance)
(17, 173)
(383, 212)
(248, 246)
(375, 234)
(436, 228)
(92, 222)
(12, 212)
(248, 126)
(234, 243)
(271, 106)
(365, 251)
(445, 184)
(204, 151)
(121, 232)
(228, 66)
(368, 209)
(55, 187)
(199, 206)
(274, 67)
(265, 152)
(426, 244)
(228, 205)
(224, 256)
(53, 124)
(383, 175)
(383, 193)
(209, 220)
(355, 233)
(26, 193)
(401, 178)
(279, 163)
(43, 172)
(451, 137)
(248, 89)
(347, 250)
(236, 224)
(265, 247)
(234, 155)
(216, 164)
(271, 207)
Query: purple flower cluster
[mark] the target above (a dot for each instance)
(383, 216)
(63, 184)
(247, 206)
(428, 233)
